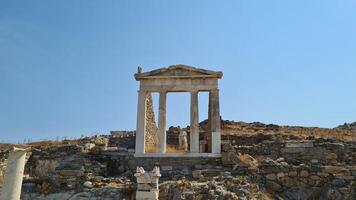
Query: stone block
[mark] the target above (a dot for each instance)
(70, 173)
(333, 169)
(144, 187)
(346, 177)
(304, 173)
(167, 168)
(293, 173)
(331, 156)
(271, 177)
(280, 175)
(143, 179)
(289, 182)
(322, 174)
(146, 195)
(293, 150)
(338, 183)
(196, 173)
(273, 186)
(299, 145)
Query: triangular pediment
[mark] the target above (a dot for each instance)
(178, 71)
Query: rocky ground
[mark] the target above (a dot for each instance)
(259, 161)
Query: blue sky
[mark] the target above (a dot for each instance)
(66, 67)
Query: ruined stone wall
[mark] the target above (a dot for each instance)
(2, 168)
(151, 138)
(310, 169)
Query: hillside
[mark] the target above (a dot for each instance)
(259, 161)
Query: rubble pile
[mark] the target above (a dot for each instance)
(348, 127)
(291, 169)
(253, 166)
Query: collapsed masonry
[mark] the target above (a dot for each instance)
(252, 166)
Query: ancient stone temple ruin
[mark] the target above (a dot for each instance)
(179, 78)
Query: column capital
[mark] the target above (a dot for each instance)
(162, 91)
(214, 90)
(142, 91)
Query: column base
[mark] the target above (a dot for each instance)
(174, 155)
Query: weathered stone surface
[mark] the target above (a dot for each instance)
(299, 144)
(304, 173)
(70, 173)
(167, 168)
(273, 186)
(333, 169)
(280, 175)
(293, 173)
(45, 167)
(88, 184)
(293, 150)
(81, 196)
(151, 137)
(271, 177)
(338, 182)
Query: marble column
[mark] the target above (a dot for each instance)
(162, 121)
(194, 122)
(215, 121)
(141, 122)
(14, 174)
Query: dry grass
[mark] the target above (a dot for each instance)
(169, 149)
(296, 131)
(151, 149)
(174, 149)
(247, 159)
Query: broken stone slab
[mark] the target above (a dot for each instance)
(333, 169)
(88, 184)
(67, 172)
(166, 168)
(271, 177)
(273, 186)
(299, 145)
(304, 173)
(196, 173)
(293, 150)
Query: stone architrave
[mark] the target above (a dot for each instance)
(14, 174)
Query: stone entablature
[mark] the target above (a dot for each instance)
(179, 78)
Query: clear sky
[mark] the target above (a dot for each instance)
(66, 67)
